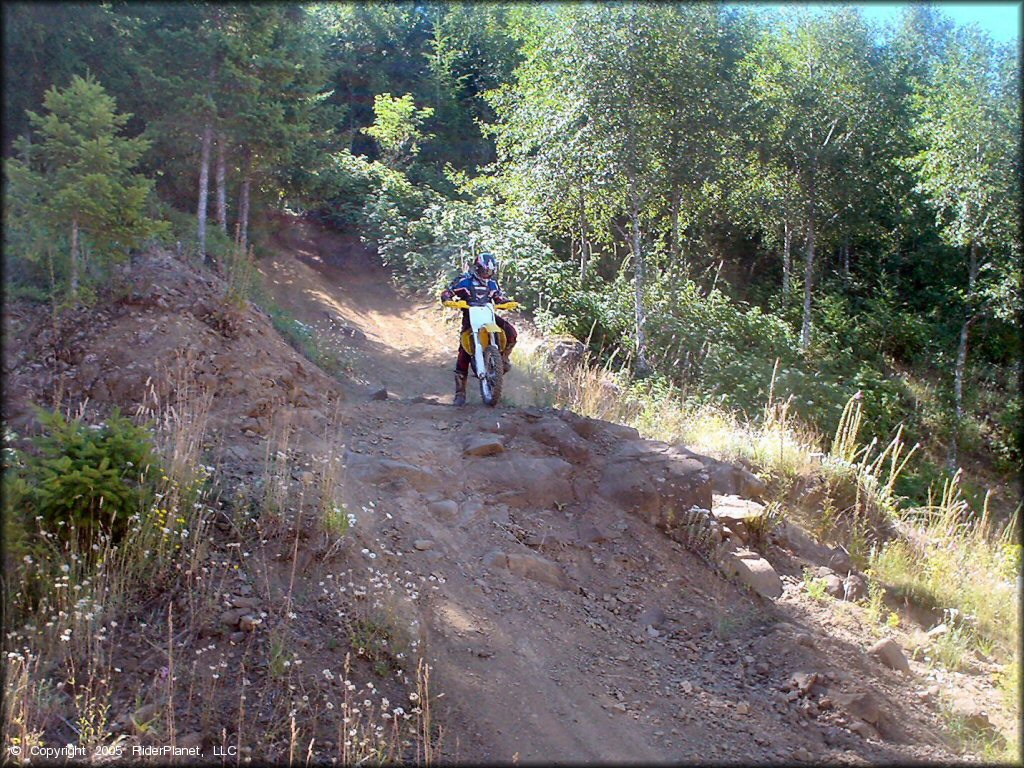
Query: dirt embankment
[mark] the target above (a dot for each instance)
(552, 569)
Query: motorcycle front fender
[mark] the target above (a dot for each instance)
(492, 331)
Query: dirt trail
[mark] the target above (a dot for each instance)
(393, 339)
(549, 567)
(564, 626)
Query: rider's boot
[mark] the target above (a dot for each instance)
(460, 389)
(507, 364)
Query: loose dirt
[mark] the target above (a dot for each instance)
(561, 623)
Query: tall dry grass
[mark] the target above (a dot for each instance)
(942, 555)
(64, 605)
(946, 557)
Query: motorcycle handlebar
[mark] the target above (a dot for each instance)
(460, 304)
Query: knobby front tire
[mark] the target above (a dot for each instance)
(491, 383)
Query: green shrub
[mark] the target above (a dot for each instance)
(82, 477)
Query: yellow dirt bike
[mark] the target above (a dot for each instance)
(484, 343)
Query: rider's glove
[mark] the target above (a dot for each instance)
(446, 295)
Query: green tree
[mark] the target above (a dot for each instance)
(77, 180)
(819, 98)
(397, 128)
(969, 171)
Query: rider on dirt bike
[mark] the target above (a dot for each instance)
(478, 283)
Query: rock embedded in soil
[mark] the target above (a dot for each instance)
(538, 569)
(423, 544)
(496, 559)
(652, 617)
(889, 653)
(754, 571)
(484, 445)
(855, 587)
(834, 586)
(230, 618)
(380, 394)
(445, 511)
(738, 515)
(860, 704)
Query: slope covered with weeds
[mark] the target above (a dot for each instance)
(939, 556)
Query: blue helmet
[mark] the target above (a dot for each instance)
(485, 266)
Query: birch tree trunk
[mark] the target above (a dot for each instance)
(676, 205)
(74, 259)
(961, 359)
(787, 259)
(222, 193)
(584, 237)
(204, 185)
(805, 330)
(636, 245)
(243, 203)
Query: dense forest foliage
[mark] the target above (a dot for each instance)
(735, 204)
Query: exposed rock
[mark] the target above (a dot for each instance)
(423, 544)
(445, 510)
(860, 704)
(548, 542)
(496, 559)
(377, 471)
(754, 571)
(889, 653)
(538, 569)
(588, 428)
(937, 631)
(248, 623)
(564, 351)
(854, 587)
(380, 394)
(802, 682)
(973, 716)
(652, 617)
(834, 586)
(864, 730)
(727, 478)
(556, 434)
(537, 481)
(484, 445)
(645, 479)
(737, 514)
(231, 617)
(589, 533)
(792, 537)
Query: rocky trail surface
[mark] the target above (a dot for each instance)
(575, 620)
(582, 594)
